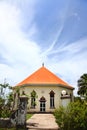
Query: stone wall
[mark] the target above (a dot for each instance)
(5, 123)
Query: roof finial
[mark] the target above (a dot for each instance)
(43, 64)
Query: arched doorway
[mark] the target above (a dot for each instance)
(42, 104)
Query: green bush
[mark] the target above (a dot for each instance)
(6, 100)
(73, 117)
(5, 113)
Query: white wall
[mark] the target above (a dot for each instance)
(44, 91)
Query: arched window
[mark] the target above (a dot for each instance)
(52, 105)
(33, 99)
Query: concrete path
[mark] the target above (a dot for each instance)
(42, 122)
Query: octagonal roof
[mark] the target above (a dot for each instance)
(43, 76)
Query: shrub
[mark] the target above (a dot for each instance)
(73, 117)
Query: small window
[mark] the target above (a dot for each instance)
(52, 105)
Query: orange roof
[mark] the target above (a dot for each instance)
(43, 76)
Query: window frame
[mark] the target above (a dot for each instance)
(52, 100)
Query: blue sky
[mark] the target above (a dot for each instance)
(37, 31)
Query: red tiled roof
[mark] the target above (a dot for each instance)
(43, 76)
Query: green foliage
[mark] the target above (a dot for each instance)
(77, 99)
(5, 100)
(28, 116)
(60, 114)
(33, 94)
(33, 99)
(73, 117)
(5, 112)
(82, 85)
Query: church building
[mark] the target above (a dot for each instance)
(45, 90)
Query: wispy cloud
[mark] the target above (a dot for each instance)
(15, 48)
(69, 61)
(20, 54)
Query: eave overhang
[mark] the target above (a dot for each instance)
(46, 84)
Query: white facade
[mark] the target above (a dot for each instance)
(44, 102)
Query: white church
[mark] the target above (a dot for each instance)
(45, 90)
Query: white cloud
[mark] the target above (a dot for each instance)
(73, 62)
(22, 56)
(18, 51)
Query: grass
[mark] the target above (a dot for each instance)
(28, 116)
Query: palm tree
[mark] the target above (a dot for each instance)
(82, 85)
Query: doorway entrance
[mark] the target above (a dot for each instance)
(42, 104)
